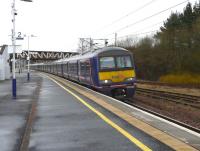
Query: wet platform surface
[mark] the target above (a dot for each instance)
(62, 122)
(14, 112)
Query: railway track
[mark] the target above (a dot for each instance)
(197, 86)
(193, 101)
(130, 102)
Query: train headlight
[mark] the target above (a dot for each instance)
(130, 79)
(105, 81)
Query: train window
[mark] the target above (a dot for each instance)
(107, 62)
(65, 68)
(58, 68)
(70, 68)
(87, 68)
(82, 68)
(75, 68)
(123, 62)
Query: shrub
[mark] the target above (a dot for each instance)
(184, 78)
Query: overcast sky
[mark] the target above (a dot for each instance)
(59, 23)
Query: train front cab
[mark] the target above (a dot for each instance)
(116, 74)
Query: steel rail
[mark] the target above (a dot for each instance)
(196, 86)
(193, 101)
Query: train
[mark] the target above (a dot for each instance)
(109, 70)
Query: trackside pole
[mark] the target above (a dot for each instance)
(14, 88)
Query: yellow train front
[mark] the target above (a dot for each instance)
(116, 73)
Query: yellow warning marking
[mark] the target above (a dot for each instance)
(106, 119)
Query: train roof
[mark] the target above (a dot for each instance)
(95, 53)
(90, 54)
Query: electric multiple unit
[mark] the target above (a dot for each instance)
(109, 70)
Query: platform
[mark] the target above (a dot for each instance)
(65, 119)
(14, 112)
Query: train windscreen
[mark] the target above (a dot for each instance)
(123, 62)
(107, 63)
(117, 62)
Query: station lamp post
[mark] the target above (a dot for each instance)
(14, 13)
(28, 56)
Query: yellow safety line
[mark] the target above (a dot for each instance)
(107, 120)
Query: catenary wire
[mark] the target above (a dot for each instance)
(128, 14)
(146, 18)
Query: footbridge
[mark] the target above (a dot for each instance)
(36, 56)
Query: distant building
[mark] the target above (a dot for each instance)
(4, 63)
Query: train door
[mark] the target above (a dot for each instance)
(61, 69)
(88, 74)
(82, 71)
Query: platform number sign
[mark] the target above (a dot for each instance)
(19, 36)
